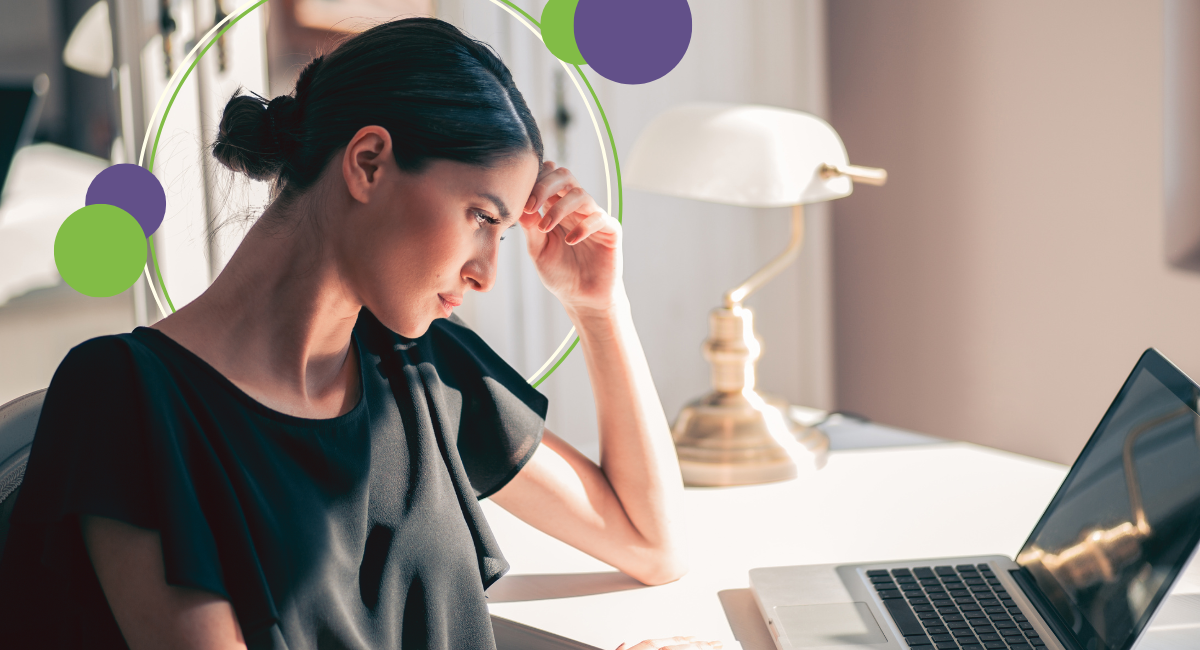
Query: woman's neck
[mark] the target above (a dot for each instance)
(277, 321)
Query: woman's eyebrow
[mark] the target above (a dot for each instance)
(498, 203)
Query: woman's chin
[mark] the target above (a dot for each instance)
(407, 326)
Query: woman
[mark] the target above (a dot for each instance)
(294, 459)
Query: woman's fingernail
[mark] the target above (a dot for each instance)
(544, 226)
(529, 204)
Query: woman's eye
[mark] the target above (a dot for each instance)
(484, 218)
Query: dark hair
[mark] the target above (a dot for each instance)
(439, 93)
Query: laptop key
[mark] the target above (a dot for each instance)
(944, 570)
(995, 610)
(924, 609)
(1007, 624)
(972, 646)
(1012, 632)
(962, 633)
(994, 645)
(938, 638)
(876, 572)
(1020, 646)
(947, 645)
(948, 610)
(918, 601)
(923, 572)
(953, 617)
(936, 629)
(916, 640)
(889, 593)
(1036, 642)
(903, 616)
(985, 637)
(928, 616)
(901, 572)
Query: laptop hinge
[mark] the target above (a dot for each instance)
(1045, 610)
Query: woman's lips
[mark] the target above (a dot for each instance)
(449, 302)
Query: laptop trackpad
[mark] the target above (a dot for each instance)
(833, 624)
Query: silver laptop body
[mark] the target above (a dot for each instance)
(1091, 576)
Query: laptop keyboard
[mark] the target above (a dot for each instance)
(960, 607)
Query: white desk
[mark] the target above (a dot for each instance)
(929, 500)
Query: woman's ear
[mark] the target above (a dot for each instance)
(366, 160)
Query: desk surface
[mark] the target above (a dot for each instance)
(924, 500)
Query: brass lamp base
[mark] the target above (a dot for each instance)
(734, 435)
(727, 439)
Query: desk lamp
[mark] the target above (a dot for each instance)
(752, 156)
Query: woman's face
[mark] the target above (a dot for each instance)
(426, 239)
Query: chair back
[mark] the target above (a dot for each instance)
(18, 421)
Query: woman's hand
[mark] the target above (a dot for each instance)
(576, 245)
(674, 643)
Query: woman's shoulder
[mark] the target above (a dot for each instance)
(111, 358)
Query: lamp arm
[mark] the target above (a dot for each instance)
(857, 173)
(734, 297)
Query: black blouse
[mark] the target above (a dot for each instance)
(360, 531)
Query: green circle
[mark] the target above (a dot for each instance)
(100, 250)
(558, 30)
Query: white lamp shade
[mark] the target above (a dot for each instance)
(89, 49)
(755, 156)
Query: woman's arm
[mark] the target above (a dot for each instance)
(152, 614)
(626, 511)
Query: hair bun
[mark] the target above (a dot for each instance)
(256, 137)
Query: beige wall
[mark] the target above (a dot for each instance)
(1001, 286)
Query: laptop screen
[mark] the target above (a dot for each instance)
(1127, 517)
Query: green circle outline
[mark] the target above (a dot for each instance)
(612, 143)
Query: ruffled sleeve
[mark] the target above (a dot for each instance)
(502, 416)
(116, 439)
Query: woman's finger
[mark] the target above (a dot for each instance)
(577, 200)
(591, 224)
(555, 181)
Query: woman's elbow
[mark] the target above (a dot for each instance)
(663, 567)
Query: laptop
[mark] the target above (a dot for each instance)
(20, 106)
(1091, 576)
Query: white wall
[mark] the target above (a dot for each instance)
(680, 256)
(1003, 284)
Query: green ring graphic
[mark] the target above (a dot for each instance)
(233, 20)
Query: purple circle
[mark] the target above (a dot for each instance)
(134, 190)
(633, 41)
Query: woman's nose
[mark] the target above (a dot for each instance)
(480, 272)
